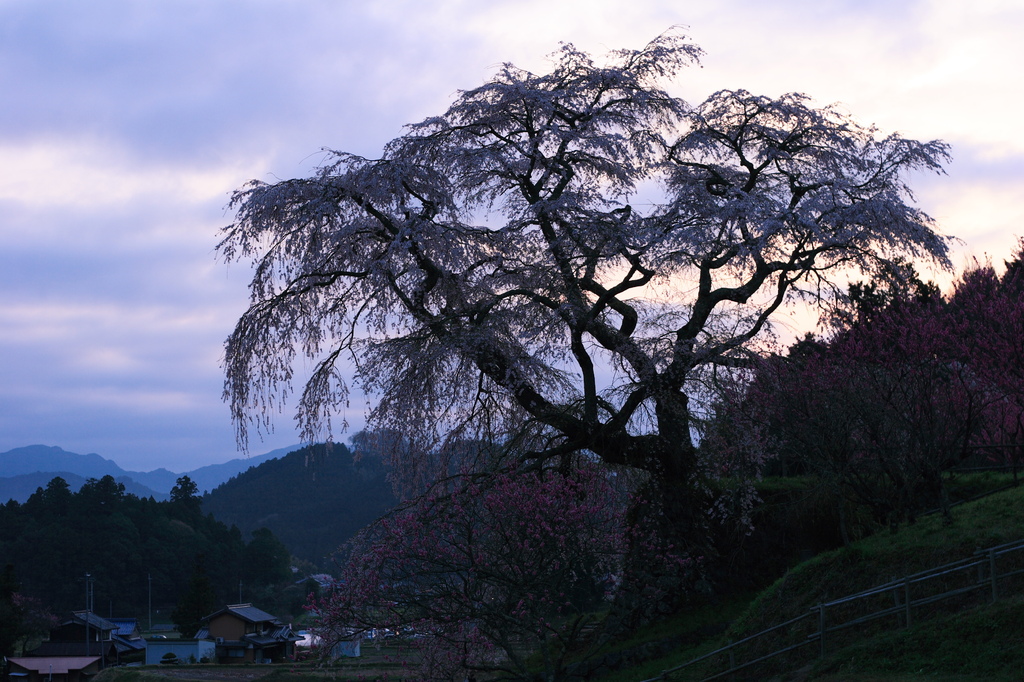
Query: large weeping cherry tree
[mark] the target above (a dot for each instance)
(555, 263)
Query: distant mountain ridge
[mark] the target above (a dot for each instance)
(24, 469)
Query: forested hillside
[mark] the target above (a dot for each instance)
(127, 545)
(313, 499)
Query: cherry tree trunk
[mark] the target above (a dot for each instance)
(670, 547)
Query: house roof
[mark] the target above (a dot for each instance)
(57, 664)
(125, 644)
(92, 619)
(246, 612)
(261, 640)
(285, 632)
(275, 636)
(126, 627)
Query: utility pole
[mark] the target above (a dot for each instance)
(149, 577)
(88, 610)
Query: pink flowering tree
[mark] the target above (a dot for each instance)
(488, 574)
(987, 312)
(798, 414)
(920, 405)
(21, 617)
(906, 389)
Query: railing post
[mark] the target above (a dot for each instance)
(821, 628)
(992, 573)
(906, 600)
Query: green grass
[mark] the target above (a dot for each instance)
(965, 647)
(978, 645)
(886, 555)
(130, 675)
(966, 486)
(689, 629)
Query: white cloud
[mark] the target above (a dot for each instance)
(70, 349)
(992, 214)
(91, 174)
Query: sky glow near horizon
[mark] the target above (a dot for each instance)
(126, 126)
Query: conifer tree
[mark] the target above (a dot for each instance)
(196, 603)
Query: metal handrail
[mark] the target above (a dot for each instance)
(980, 558)
(730, 645)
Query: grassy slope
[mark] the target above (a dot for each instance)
(982, 644)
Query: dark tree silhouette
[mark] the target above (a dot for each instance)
(197, 602)
(557, 261)
(10, 614)
(184, 490)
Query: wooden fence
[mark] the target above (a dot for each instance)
(980, 578)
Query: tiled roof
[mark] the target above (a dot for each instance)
(125, 626)
(262, 640)
(284, 633)
(124, 644)
(246, 612)
(93, 620)
(277, 635)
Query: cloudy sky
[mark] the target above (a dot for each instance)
(124, 126)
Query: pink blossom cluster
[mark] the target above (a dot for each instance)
(911, 385)
(477, 574)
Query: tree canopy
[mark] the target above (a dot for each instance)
(557, 264)
(508, 269)
(196, 603)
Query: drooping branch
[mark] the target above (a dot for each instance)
(489, 268)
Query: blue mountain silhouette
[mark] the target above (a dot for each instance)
(24, 469)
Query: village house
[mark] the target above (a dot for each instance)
(243, 633)
(83, 635)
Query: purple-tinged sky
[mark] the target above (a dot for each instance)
(125, 125)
